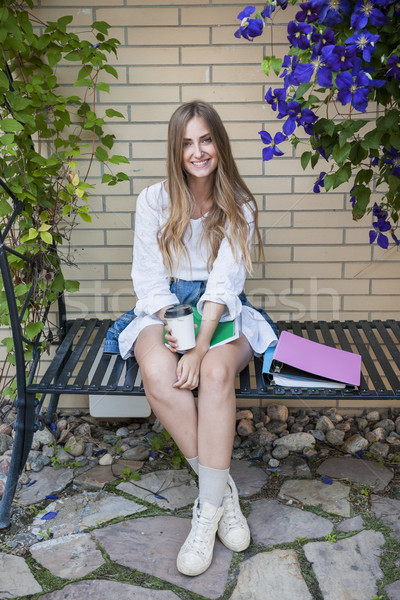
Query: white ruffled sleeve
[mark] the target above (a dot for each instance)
(149, 275)
(227, 277)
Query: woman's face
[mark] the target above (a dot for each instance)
(199, 156)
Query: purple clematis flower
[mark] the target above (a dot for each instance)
(291, 110)
(249, 28)
(276, 98)
(319, 183)
(381, 225)
(353, 90)
(332, 12)
(394, 67)
(271, 149)
(392, 158)
(322, 39)
(365, 12)
(298, 34)
(304, 72)
(308, 13)
(289, 65)
(363, 42)
(338, 58)
(306, 120)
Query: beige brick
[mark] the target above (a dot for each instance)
(207, 16)
(285, 166)
(160, 75)
(112, 221)
(320, 219)
(278, 271)
(307, 202)
(220, 55)
(168, 2)
(387, 286)
(255, 111)
(168, 36)
(331, 253)
(102, 188)
(159, 55)
(391, 254)
(314, 285)
(249, 167)
(246, 149)
(242, 130)
(67, 3)
(380, 403)
(269, 220)
(81, 16)
(270, 185)
(76, 273)
(81, 237)
(222, 93)
(375, 270)
(137, 17)
(149, 150)
(119, 238)
(277, 253)
(373, 303)
(246, 74)
(120, 204)
(154, 168)
(68, 74)
(120, 272)
(84, 305)
(152, 112)
(144, 93)
(357, 235)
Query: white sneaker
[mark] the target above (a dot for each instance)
(233, 530)
(196, 554)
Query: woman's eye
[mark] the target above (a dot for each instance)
(207, 140)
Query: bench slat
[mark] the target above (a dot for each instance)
(61, 354)
(366, 358)
(64, 377)
(380, 355)
(92, 353)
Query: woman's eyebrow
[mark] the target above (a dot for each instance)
(201, 137)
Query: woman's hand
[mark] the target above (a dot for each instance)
(188, 369)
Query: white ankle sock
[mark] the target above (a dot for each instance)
(194, 463)
(212, 483)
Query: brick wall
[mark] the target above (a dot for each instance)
(319, 262)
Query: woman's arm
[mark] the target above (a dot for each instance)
(188, 369)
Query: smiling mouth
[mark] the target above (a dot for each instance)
(201, 163)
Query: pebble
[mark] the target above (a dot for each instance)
(373, 415)
(275, 426)
(244, 414)
(277, 412)
(295, 442)
(123, 432)
(75, 447)
(324, 424)
(354, 444)
(44, 437)
(137, 453)
(379, 450)
(5, 442)
(245, 427)
(379, 433)
(41, 461)
(386, 424)
(335, 437)
(280, 452)
(318, 434)
(273, 462)
(106, 459)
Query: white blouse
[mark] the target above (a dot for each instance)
(151, 282)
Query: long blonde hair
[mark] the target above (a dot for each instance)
(226, 217)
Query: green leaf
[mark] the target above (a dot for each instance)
(5, 208)
(108, 140)
(103, 87)
(106, 178)
(62, 22)
(302, 89)
(101, 26)
(109, 69)
(54, 56)
(71, 286)
(73, 56)
(329, 180)
(372, 139)
(266, 65)
(123, 176)
(116, 159)
(110, 112)
(340, 154)
(305, 159)
(10, 125)
(343, 174)
(276, 64)
(101, 154)
(33, 329)
(46, 237)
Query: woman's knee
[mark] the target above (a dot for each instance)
(216, 374)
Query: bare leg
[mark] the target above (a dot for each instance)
(217, 402)
(174, 407)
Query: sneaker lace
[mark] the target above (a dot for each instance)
(199, 540)
(232, 514)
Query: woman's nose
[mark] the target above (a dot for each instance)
(197, 150)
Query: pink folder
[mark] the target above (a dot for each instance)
(317, 359)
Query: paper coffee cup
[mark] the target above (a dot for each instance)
(180, 319)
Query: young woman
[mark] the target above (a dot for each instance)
(193, 236)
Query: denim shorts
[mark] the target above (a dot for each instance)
(188, 292)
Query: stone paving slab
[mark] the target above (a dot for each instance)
(107, 590)
(274, 575)
(294, 466)
(69, 557)
(100, 475)
(151, 545)
(388, 510)
(351, 524)
(167, 489)
(248, 477)
(393, 590)
(77, 513)
(16, 578)
(333, 498)
(48, 481)
(274, 523)
(356, 559)
(357, 470)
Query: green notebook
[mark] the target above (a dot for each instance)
(225, 332)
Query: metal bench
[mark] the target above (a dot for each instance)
(80, 340)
